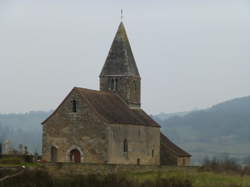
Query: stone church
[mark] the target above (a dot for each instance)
(108, 126)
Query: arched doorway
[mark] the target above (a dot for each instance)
(53, 154)
(138, 161)
(75, 156)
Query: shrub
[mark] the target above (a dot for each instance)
(226, 165)
(246, 170)
(39, 178)
(28, 158)
(11, 160)
(4, 172)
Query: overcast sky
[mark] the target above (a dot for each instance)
(190, 54)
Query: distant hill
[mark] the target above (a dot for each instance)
(223, 129)
(163, 116)
(23, 129)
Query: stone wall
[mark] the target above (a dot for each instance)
(82, 130)
(183, 161)
(97, 141)
(84, 169)
(129, 88)
(143, 144)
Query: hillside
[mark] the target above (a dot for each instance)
(23, 129)
(222, 130)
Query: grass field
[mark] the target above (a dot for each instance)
(197, 178)
(167, 177)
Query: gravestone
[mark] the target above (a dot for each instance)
(21, 149)
(6, 147)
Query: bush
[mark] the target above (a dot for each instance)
(39, 178)
(226, 165)
(246, 170)
(11, 160)
(28, 158)
(4, 172)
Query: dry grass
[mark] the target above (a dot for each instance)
(166, 177)
(196, 177)
(39, 178)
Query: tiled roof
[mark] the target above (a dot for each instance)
(120, 60)
(114, 110)
(170, 147)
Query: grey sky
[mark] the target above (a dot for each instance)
(190, 54)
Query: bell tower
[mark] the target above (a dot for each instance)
(119, 73)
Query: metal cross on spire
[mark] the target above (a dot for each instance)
(121, 14)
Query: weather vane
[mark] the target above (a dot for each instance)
(121, 14)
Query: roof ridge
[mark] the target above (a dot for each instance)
(109, 107)
(90, 104)
(93, 91)
(52, 114)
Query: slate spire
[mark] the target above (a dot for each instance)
(120, 60)
(119, 73)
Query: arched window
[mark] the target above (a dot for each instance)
(74, 107)
(138, 161)
(113, 84)
(125, 146)
(135, 86)
(116, 84)
(53, 154)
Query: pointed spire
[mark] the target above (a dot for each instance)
(120, 60)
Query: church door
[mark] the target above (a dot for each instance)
(138, 161)
(75, 156)
(53, 153)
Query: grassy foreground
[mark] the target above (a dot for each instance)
(171, 177)
(197, 178)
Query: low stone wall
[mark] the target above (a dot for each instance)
(84, 169)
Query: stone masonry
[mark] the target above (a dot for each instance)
(108, 126)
